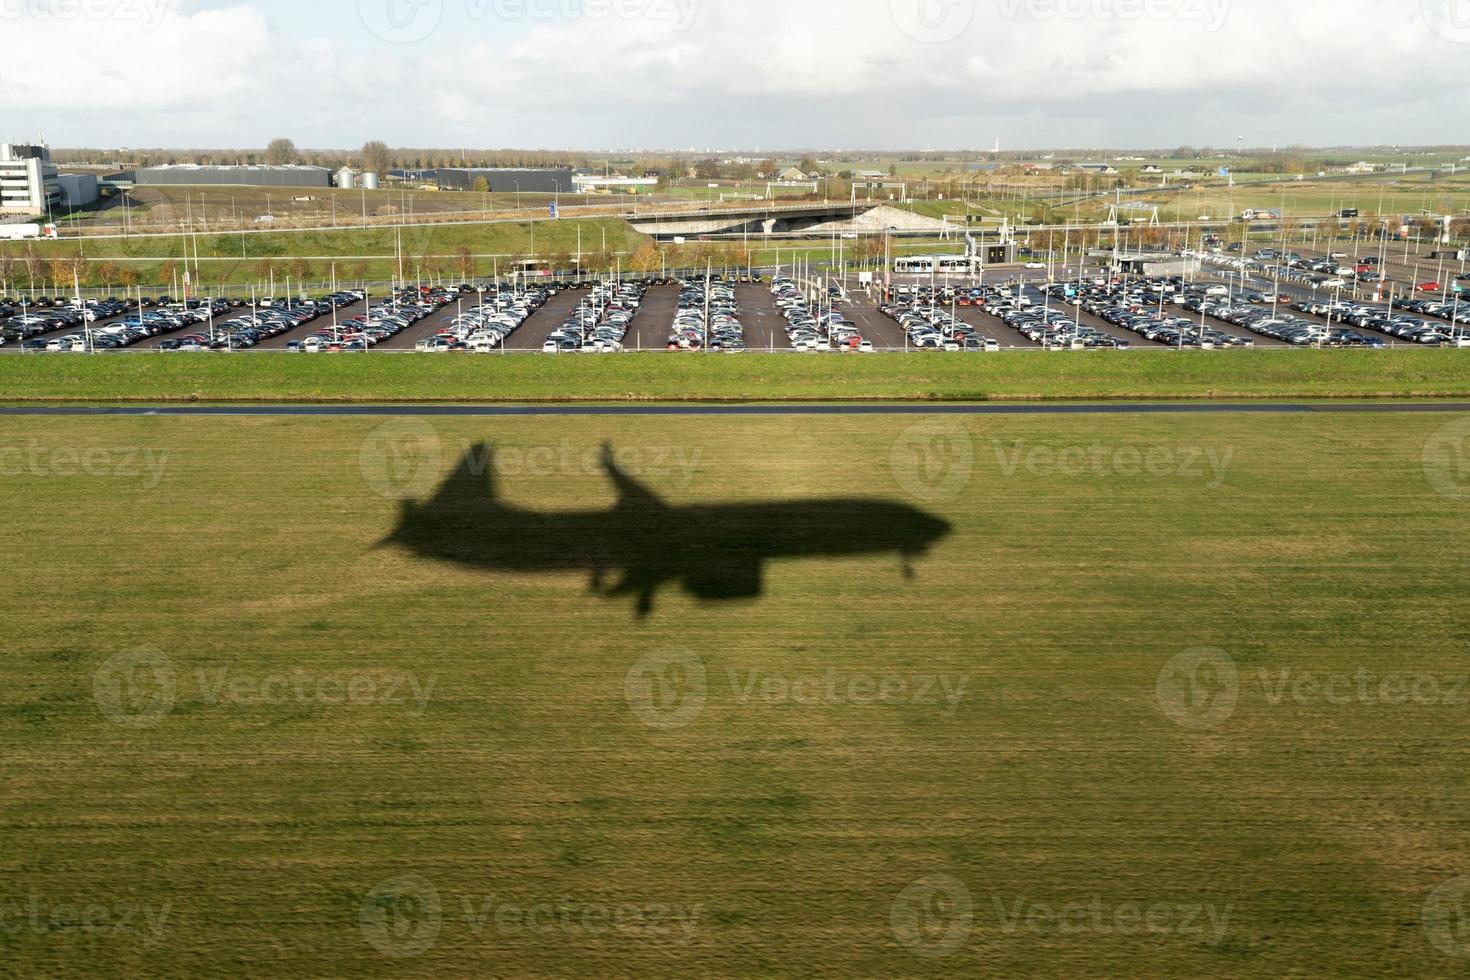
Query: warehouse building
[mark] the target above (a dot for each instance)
(593, 182)
(29, 184)
(509, 180)
(242, 176)
(78, 190)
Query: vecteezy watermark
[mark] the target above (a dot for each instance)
(1209, 14)
(933, 917)
(37, 459)
(403, 918)
(411, 21)
(1446, 918)
(1447, 460)
(403, 459)
(135, 688)
(669, 689)
(1199, 689)
(45, 917)
(148, 13)
(1287, 685)
(1202, 463)
(139, 688)
(932, 21)
(401, 21)
(1197, 921)
(933, 460)
(835, 688)
(1450, 19)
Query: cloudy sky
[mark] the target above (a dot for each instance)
(754, 74)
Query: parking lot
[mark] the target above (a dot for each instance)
(1231, 300)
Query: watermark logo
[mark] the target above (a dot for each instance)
(136, 689)
(667, 689)
(40, 460)
(148, 13)
(402, 459)
(932, 21)
(1199, 689)
(139, 688)
(401, 917)
(933, 917)
(42, 916)
(1209, 14)
(835, 689)
(933, 460)
(1204, 464)
(1447, 460)
(412, 21)
(1447, 918)
(1207, 922)
(401, 21)
(1450, 19)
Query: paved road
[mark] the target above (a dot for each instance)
(616, 411)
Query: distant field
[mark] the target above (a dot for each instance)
(1196, 718)
(747, 377)
(360, 253)
(226, 205)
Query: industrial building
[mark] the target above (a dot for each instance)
(1149, 263)
(509, 180)
(29, 184)
(78, 190)
(179, 175)
(594, 182)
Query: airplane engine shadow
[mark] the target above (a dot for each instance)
(717, 553)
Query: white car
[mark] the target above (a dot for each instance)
(1036, 265)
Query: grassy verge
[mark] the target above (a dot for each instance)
(360, 253)
(749, 377)
(332, 757)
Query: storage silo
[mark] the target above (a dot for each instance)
(344, 178)
(369, 182)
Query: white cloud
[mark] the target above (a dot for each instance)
(806, 73)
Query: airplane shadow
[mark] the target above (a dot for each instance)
(717, 553)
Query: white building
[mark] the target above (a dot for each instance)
(592, 182)
(28, 181)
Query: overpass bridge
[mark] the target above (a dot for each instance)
(768, 219)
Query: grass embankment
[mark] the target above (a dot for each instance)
(264, 377)
(356, 753)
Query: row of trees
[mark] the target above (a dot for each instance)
(374, 156)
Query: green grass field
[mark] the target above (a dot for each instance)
(321, 758)
(747, 377)
(359, 253)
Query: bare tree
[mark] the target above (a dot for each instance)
(281, 152)
(376, 157)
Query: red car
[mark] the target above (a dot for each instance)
(1428, 287)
